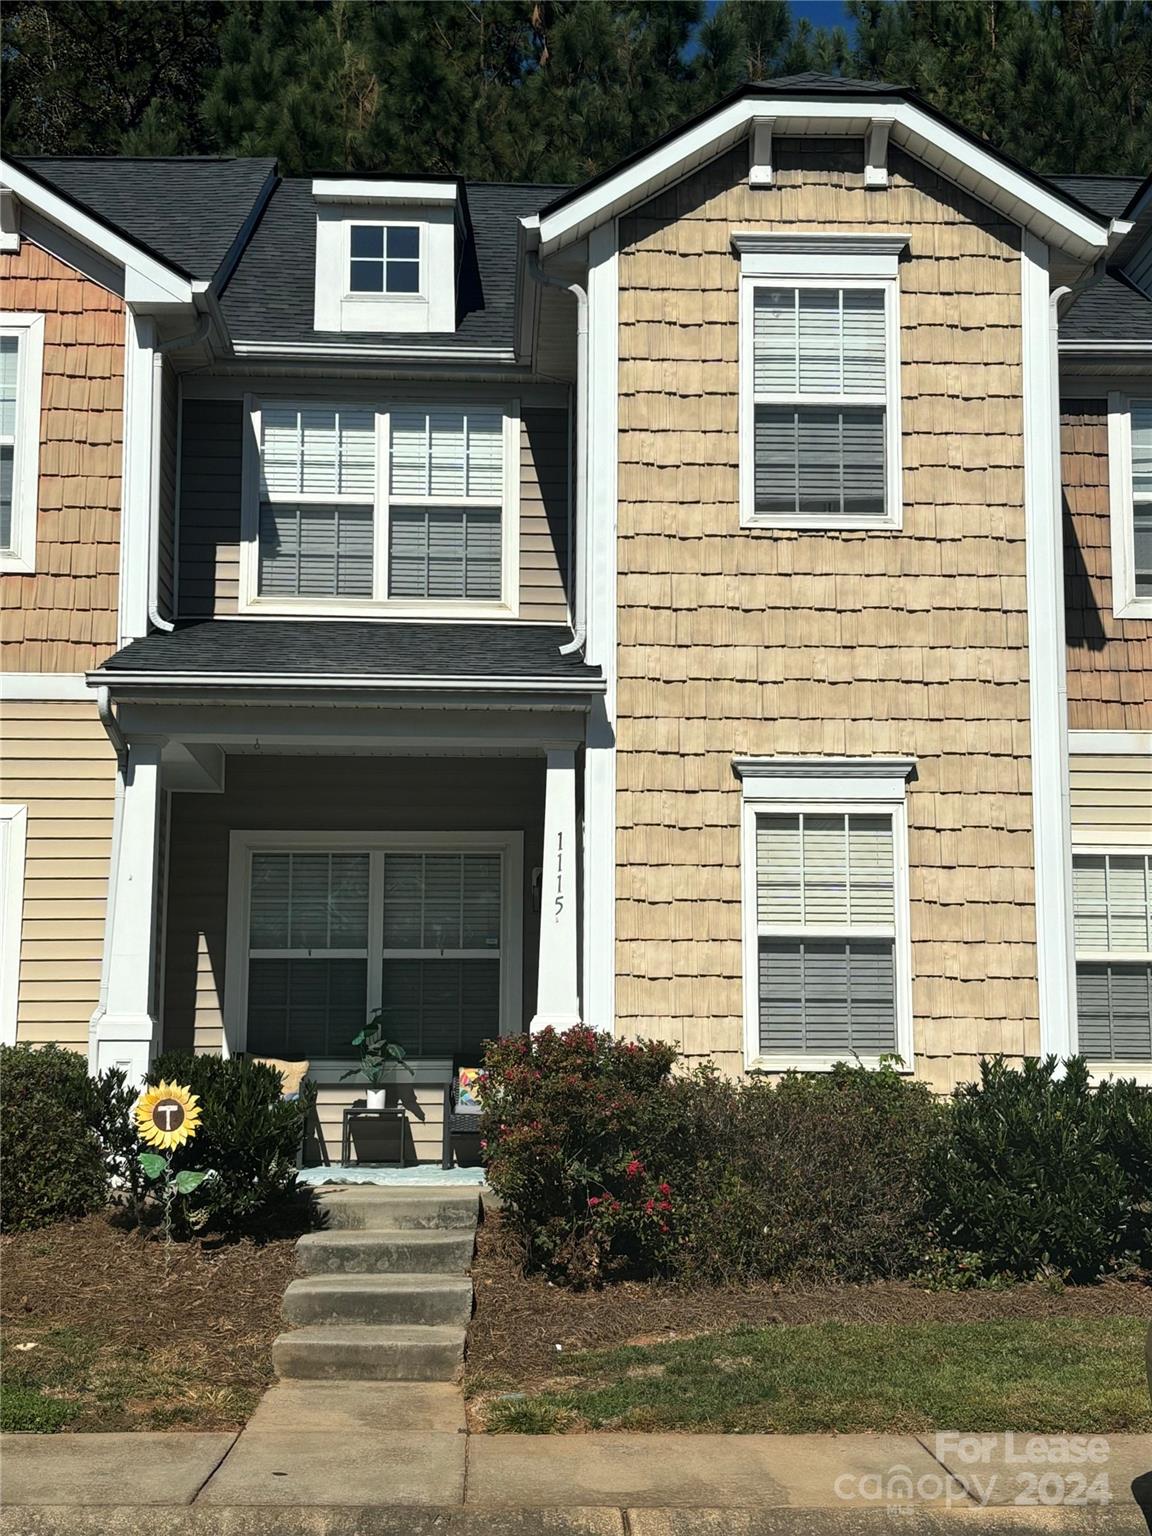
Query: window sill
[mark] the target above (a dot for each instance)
(383, 608)
(1101, 1071)
(1134, 608)
(16, 563)
(752, 520)
(824, 1063)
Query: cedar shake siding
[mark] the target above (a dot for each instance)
(1109, 659)
(764, 642)
(211, 484)
(57, 761)
(62, 618)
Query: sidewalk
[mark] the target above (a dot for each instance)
(395, 1460)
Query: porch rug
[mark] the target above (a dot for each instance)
(422, 1177)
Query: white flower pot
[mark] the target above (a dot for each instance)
(377, 1098)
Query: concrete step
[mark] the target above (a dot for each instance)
(380, 1251)
(405, 1299)
(367, 1207)
(362, 1352)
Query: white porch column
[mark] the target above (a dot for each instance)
(124, 1028)
(557, 995)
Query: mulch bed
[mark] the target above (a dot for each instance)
(520, 1319)
(200, 1314)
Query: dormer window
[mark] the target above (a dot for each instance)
(384, 258)
(387, 254)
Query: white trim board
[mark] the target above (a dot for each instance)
(1048, 684)
(242, 844)
(44, 687)
(1110, 743)
(981, 171)
(13, 844)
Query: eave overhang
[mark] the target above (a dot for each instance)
(1058, 220)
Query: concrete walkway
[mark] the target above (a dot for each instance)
(385, 1458)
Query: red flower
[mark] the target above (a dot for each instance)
(665, 1190)
(593, 1199)
(635, 1167)
(650, 1206)
(615, 1205)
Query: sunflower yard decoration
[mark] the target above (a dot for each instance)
(168, 1117)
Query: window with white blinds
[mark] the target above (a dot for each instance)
(21, 387)
(440, 975)
(1112, 901)
(1142, 497)
(446, 493)
(317, 492)
(429, 530)
(826, 930)
(9, 386)
(333, 933)
(307, 953)
(820, 385)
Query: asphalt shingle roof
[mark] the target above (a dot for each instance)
(270, 296)
(1111, 310)
(356, 648)
(1109, 195)
(188, 211)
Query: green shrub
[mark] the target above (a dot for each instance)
(249, 1137)
(53, 1166)
(1040, 1174)
(816, 1177)
(563, 1128)
(607, 1163)
(115, 1098)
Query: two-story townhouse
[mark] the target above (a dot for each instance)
(640, 603)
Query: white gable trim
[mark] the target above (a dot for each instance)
(978, 170)
(146, 280)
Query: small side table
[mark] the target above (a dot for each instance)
(393, 1114)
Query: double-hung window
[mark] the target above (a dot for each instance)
(325, 930)
(827, 970)
(21, 369)
(1130, 504)
(412, 508)
(820, 432)
(317, 495)
(384, 258)
(1112, 903)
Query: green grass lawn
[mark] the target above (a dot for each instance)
(1075, 1376)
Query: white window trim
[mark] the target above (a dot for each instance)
(420, 296)
(818, 260)
(1102, 1070)
(250, 601)
(1125, 603)
(242, 845)
(29, 328)
(840, 785)
(13, 846)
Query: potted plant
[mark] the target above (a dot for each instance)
(377, 1055)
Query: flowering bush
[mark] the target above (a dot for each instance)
(569, 1145)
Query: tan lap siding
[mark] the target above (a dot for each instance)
(63, 617)
(775, 643)
(362, 794)
(57, 761)
(1111, 801)
(211, 484)
(1109, 659)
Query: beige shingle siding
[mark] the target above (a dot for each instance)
(57, 761)
(1109, 659)
(736, 642)
(63, 618)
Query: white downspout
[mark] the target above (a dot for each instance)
(580, 615)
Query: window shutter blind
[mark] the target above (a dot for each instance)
(445, 552)
(309, 901)
(1142, 447)
(1114, 1011)
(315, 551)
(317, 452)
(825, 870)
(827, 996)
(310, 1008)
(9, 374)
(1112, 902)
(455, 455)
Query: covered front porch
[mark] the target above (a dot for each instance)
(285, 870)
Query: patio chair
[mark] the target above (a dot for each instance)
(460, 1118)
